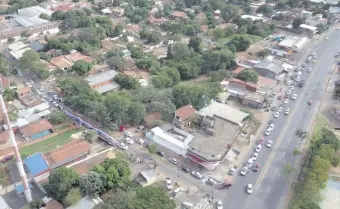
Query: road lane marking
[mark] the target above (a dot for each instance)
(277, 170)
(290, 117)
(290, 140)
(283, 154)
(268, 190)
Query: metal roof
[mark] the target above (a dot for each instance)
(36, 164)
(101, 77)
(275, 68)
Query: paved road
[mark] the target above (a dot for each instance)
(270, 185)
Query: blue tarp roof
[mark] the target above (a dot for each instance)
(36, 164)
(20, 188)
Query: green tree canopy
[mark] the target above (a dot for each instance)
(57, 116)
(248, 75)
(91, 184)
(81, 67)
(72, 197)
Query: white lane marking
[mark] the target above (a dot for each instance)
(268, 190)
(277, 170)
(290, 140)
(283, 154)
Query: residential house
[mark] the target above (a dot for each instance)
(269, 69)
(156, 21)
(36, 164)
(118, 11)
(103, 81)
(176, 15)
(151, 118)
(33, 114)
(22, 92)
(53, 204)
(61, 62)
(4, 137)
(308, 30)
(74, 57)
(36, 130)
(5, 82)
(254, 99)
(238, 88)
(146, 178)
(184, 116)
(67, 153)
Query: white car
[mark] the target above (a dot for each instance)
(277, 114)
(169, 184)
(267, 132)
(285, 101)
(287, 111)
(326, 38)
(219, 205)
(244, 171)
(291, 88)
(255, 155)
(123, 146)
(279, 109)
(271, 126)
(297, 79)
(173, 160)
(129, 140)
(128, 134)
(211, 181)
(233, 170)
(41, 88)
(140, 141)
(269, 144)
(288, 91)
(309, 69)
(249, 188)
(258, 148)
(294, 96)
(196, 174)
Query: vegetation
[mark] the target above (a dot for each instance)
(72, 197)
(81, 67)
(248, 75)
(91, 184)
(30, 62)
(126, 82)
(9, 94)
(57, 116)
(313, 176)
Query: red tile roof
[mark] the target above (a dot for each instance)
(248, 85)
(67, 152)
(36, 127)
(4, 136)
(63, 7)
(24, 90)
(53, 204)
(186, 112)
(78, 56)
(178, 14)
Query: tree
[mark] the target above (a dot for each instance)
(30, 61)
(72, 197)
(151, 198)
(287, 169)
(60, 182)
(263, 53)
(195, 44)
(9, 94)
(3, 66)
(116, 63)
(44, 16)
(116, 200)
(136, 52)
(152, 148)
(147, 63)
(91, 184)
(297, 22)
(136, 112)
(11, 40)
(57, 116)
(81, 67)
(218, 33)
(126, 82)
(178, 51)
(90, 135)
(248, 75)
(214, 60)
(241, 43)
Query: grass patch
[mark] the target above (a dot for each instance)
(50, 143)
(321, 123)
(62, 127)
(252, 38)
(4, 181)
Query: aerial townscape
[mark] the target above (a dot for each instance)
(169, 104)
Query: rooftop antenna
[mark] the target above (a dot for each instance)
(20, 166)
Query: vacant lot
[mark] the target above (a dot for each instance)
(49, 144)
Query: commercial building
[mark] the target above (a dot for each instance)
(269, 69)
(36, 130)
(238, 88)
(103, 82)
(308, 30)
(294, 43)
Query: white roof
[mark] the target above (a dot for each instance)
(309, 27)
(3, 204)
(301, 42)
(224, 111)
(106, 11)
(163, 135)
(253, 18)
(16, 46)
(101, 77)
(17, 54)
(34, 11)
(31, 111)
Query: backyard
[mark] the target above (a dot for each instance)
(49, 144)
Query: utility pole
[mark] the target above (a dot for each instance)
(20, 166)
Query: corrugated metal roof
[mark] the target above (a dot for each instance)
(101, 77)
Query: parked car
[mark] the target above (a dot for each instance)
(279, 109)
(224, 186)
(129, 140)
(123, 146)
(291, 88)
(140, 141)
(258, 148)
(168, 184)
(294, 96)
(233, 170)
(288, 91)
(285, 101)
(219, 205)
(173, 160)
(276, 114)
(255, 155)
(287, 111)
(196, 174)
(244, 171)
(140, 128)
(185, 169)
(128, 134)
(249, 188)
(271, 127)
(267, 132)
(177, 190)
(160, 154)
(211, 181)
(269, 143)
(302, 83)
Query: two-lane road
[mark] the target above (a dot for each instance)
(270, 185)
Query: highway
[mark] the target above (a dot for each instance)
(271, 186)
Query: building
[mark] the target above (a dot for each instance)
(253, 18)
(53, 204)
(146, 178)
(151, 118)
(238, 88)
(103, 81)
(36, 164)
(269, 69)
(308, 30)
(184, 116)
(17, 54)
(4, 137)
(176, 15)
(74, 57)
(22, 92)
(3, 203)
(33, 114)
(156, 21)
(254, 99)
(118, 11)
(36, 130)
(61, 62)
(48, 66)
(171, 138)
(34, 11)
(220, 126)
(67, 153)
(294, 43)
(86, 202)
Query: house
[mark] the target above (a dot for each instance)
(175, 15)
(254, 99)
(86, 202)
(34, 12)
(4, 137)
(103, 81)
(238, 88)
(156, 21)
(5, 82)
(253, 18)
(61, 62)
(3, 203)
(184, 116)
(36, 130)
(146, 178)
(118, 11)
(53, 204)
(269, 69)
(33, 114)
(67, 153)
(74, 57)
(36, 164)
(22, 92)
(151, 118)
(294, 43)
(308, 29)
(36, 46)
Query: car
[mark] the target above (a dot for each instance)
(249, 188)
(302, 83)
(297, 79)
(140, 128)
(288, 82)
(250, 162)
(162, 154)
(196, 174)
(129, 140)
(185, 169)
(288, 91)
(285, 101)
(123, 146)
(224, 186)
(219, 205)
(294, 96)
(269, 144)
(309, 102)
(244, 171)
(128, 134)
(313, 53)
(211, 181)
(258, 148)
(41, 88)
(287, 111)
(276, 114)
(326, 38)
(271, 126)
(31, 81)
(315, 57)
(309, 69)
(140, 141)
(168, 184)
(173, 160)
(309, 57)
(38, 92)
(303, 65)
(255, 155)
(314, 60)
(291, 88)
(279, 109)
(233, 170)
(177, 190)
(267, 132)
(299, 73)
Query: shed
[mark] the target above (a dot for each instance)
(147, 178)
